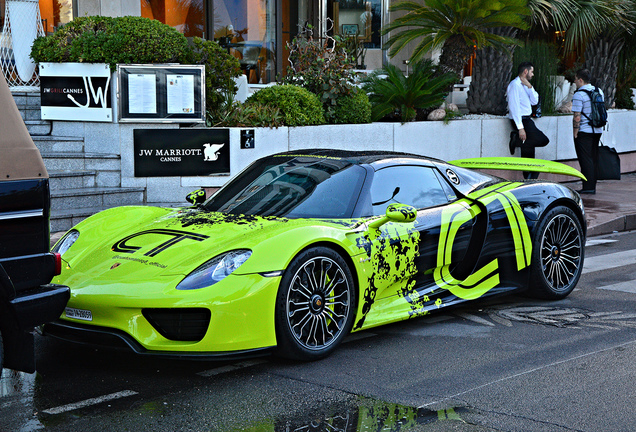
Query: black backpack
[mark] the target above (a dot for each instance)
(598, 117)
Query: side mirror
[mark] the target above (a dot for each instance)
(196, 197)
(395, 213)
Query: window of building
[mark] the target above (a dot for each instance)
(187, 16)
(247, 28)
(362, 18)
(55, 13)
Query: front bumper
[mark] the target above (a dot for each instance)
(158, 318)
(101, 337)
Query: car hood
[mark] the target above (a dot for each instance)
(143, 243)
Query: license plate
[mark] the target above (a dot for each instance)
(79, 314)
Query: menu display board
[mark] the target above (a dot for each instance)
(161, 93)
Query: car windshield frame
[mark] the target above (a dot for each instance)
(293, 186)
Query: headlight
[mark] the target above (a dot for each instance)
(66, 242)
(215, 270)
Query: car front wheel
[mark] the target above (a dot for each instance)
(558, 253)
(315, 305)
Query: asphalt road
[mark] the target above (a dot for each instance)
(511, 364)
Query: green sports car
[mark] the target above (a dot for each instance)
(302, 248)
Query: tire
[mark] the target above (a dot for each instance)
(315, 305)
(558, 251)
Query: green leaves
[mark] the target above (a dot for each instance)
(392, 94)
(99, 39)
(323, 68)
(220, 69)
(297, 106)
(437, 21)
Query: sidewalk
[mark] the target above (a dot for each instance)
(612, 208)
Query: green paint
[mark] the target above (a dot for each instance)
(455, 215)
(519, 164)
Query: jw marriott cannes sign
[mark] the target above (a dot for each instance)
(76, 92)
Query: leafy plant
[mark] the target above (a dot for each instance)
(220, 69)
(456, 27)
(626, 79)
(451, 115)
(544, 58)
(298, 106)
(354, 48)
(353, 108)
(236, 114)
(394, 95)
(99, 39)
(322, 67)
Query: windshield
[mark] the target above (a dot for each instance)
(293, 187)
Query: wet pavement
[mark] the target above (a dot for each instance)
(613, 207)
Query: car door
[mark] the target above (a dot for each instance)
(406, 260)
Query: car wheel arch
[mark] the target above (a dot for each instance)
(563, 202)
(339, 249)
(288, 343)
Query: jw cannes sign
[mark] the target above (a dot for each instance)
(75, 92)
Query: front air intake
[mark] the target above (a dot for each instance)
(188, 325)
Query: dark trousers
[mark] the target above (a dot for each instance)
(586, 146)
(534, 138)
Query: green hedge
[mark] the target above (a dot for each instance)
(220, 69)
(352, 108)
(137, 40)
(298, 106)
(99, 39)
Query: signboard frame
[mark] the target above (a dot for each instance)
(185, 152)
(163, 93)
(75, 92)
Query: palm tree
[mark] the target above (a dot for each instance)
(600, 27)
(492, 67)
(393, 94)
(455, 26)
(596, 26)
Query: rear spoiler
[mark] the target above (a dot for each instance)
(518, 164)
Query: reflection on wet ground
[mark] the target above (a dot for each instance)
(358, 414)
(362, 415)
(16, 384)
(16, 389)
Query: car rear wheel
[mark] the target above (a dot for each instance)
(315, 305)
(557, 256)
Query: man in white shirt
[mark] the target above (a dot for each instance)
(521, 97)
(586, 137)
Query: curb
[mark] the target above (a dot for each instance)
(622, 223)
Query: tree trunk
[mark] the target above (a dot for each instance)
(491, 75)
(455, 55)
(602, 60)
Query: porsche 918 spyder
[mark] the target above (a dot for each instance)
(302, 248)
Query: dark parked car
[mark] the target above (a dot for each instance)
(27, 299)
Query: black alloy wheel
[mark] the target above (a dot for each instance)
(315, 306)
(558, 254)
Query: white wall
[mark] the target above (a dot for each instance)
(112, 8)
(458, 139)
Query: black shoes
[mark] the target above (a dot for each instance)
(587, 191)
(511, 144)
